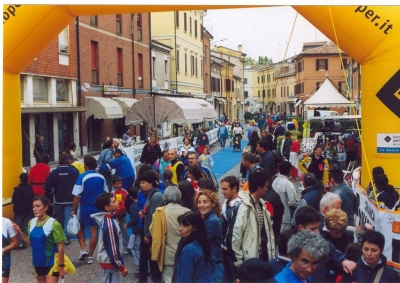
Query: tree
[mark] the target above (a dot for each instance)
(264, 60)
(248, 61)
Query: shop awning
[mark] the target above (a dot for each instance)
(173, 109)
(125, 103)
(102, 108)
(221, 100)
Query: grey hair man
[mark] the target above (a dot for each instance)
(165, 258)
(306, 250)
(328, 201)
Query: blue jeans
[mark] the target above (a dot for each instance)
(62, 215)
(222, 141)
(124, 232)
(22, 221)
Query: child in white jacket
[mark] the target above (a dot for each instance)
(206, 159)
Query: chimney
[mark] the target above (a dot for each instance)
(240, 48)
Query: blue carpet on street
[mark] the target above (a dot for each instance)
(224, 160)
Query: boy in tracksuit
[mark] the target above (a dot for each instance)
(120, 195)
(109, 253)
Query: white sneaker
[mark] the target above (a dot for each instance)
(82, 255)
(89, 260)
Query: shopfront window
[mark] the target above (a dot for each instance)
(44, 127)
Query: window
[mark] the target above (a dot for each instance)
(287, 90)
(63, 41)
(245, 81)
(62, 90)
(233, 85)
(300, 66)
(201, 68)
(263, 93)
(120, 61)
(140, 70)
(258, 79)
(93, 20)
(281, 91)
(195, 28)
(344, 63)
(177, 19)
(246, 94)
(186, 63)
(219, 85)
(166, 69)
(302, 87)
(95, 62)
(184, 22)
(342, 87)
(139, 26)
(119, 23)
(192, 65)
(39, 89)
(201, 32)
(269, 93)
(190, 25)
(177, 60)
(268, 78)
(258, 93)
(322, 64)
(195, 66)
(227, 85)
(153, 67)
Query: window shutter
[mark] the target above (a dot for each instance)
(316, 65)
(326, 64)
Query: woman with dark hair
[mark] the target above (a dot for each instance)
(185, 149)
(389, 197)
(149, 186)
(192, 258)
(209, 206)
(371, 267)
(253, 141)
(46, 237)
(187, 191)
(202, 141)
(195, 174)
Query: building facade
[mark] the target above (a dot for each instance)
(115, 60)
(285, 80)
(265, 86)
(233, 75)
(314, 64)
(183, 31)
(49, 100)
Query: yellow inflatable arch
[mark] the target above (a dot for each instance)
(369, 34)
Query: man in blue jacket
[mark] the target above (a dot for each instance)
(123, 166)
(222, 135)
(62, 179)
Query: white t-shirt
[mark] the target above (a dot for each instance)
(8, 230)
(237, 130)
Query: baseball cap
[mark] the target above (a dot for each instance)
(117, 150)
(310, 176)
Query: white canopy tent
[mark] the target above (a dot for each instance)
(327, 96)
(173, 109)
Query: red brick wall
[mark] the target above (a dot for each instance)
(46, 63)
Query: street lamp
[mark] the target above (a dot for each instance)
(213, 42)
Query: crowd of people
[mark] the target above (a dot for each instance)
(259, 229)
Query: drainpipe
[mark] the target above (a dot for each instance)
(78, 58)
(133, 56)
(151, 72)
